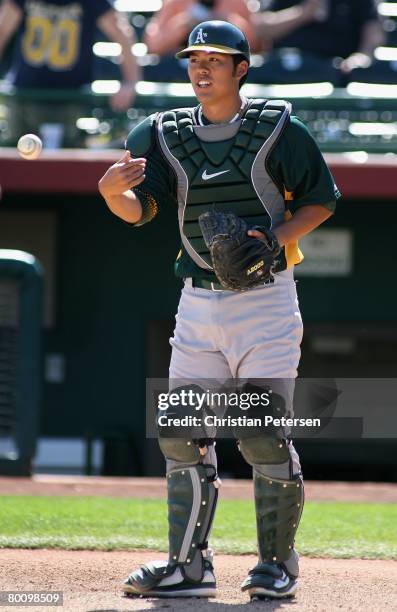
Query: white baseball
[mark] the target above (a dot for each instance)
(29, 146)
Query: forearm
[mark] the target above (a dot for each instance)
(117, 29)
(4, 38)
(178, 28)
(372, 36)
(129, 68)
(301, 223)
(275, 25)
(10, 19)
(126, 205)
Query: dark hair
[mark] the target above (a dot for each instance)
(237, 59)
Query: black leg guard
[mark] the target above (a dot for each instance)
(278, 501)
(192, 499)
(279, 505)
(192, 496)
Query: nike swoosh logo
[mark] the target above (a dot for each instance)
(207, 177)
(279, 583)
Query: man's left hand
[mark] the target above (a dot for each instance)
(355, 60)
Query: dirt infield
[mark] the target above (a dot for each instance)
(90, 580)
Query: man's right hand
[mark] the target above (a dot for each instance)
(125, 174)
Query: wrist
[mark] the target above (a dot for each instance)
(107, 194)
(102, 189)
(280, 235)
(109, 197)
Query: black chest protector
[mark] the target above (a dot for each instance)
(224, 167)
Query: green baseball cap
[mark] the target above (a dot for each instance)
(217, 37)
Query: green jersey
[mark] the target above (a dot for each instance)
(294, 164)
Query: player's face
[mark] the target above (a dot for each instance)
(213, 76)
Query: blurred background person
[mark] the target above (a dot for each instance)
(270, 26)
(348, 30)
(169, 28)
(53, 50)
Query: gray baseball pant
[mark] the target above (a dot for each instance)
(249, 335)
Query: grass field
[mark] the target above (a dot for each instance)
(327, 529)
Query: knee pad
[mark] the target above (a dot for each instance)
(180, 449)
(182, 444)
(264, 450)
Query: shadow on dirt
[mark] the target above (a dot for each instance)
(207, 605)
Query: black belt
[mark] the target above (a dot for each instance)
(202, 283)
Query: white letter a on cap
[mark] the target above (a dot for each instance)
(200, 37)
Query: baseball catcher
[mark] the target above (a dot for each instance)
(247, 181)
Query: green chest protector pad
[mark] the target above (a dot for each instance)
(224, 167)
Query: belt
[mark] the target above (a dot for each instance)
(201, 283)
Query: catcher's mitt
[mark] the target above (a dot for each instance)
(240, 261)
